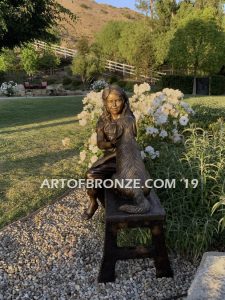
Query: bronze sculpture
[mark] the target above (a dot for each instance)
(116, 132)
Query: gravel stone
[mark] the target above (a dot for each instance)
(54, 254)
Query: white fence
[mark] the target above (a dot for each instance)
(62, 51)
(110, 65)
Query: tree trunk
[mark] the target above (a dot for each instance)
(194, 87)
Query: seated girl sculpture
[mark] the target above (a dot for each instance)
(116, 135)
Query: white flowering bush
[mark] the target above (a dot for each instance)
(92, 108)
(8, 88)
(99, 85)
(161, 117)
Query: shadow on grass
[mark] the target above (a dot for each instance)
(38, 127)
(23, 112)
(206, 115)
(33, 164)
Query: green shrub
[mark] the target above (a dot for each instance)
(191, 228)
(217, 85)
(76, 83)
(2, 77)
(113, 79)
(65, 62)
(182, 83)
(67, 80)
(51, 80)
(127, 85)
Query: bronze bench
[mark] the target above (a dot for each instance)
(116, 220)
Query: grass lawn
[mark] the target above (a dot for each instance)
(31, 149)
(208, 109)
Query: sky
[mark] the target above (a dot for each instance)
(119, 3)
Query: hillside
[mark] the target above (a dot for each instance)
(91, 17)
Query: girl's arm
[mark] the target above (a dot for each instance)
(101, 143)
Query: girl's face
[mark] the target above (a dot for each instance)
(114, 104)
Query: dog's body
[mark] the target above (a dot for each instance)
(129, 165)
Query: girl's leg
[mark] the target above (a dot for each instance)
(100, 172)
(92, 205)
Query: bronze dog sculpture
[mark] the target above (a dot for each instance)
(129, 165)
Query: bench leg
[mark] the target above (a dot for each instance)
(161, 259)
(107, 269)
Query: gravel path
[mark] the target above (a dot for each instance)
(55, 255)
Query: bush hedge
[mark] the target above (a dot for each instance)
(185, 83)
(182, 83)
(217, 85)
(67, 80)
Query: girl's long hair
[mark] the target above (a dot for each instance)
(106, 116)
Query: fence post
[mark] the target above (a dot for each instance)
(124, 70)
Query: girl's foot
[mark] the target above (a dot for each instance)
(89, 212)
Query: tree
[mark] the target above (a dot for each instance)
(143, 6)
(136, 46)
(87, 65)
(108, 39)
(48, 60)
(8, 60)
(83, 46)
(29, 59)
(165, 12)
(198, 44)
(201, 4)
(25, 20)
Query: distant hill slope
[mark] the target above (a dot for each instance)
(91, 17)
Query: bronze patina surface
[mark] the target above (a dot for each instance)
(116, 132)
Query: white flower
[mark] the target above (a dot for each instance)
(136, 89)
(161, 119)
(82, 155)
(94, 149)
(83, 122)
(156, 154)
(185, 105)
(187, 108)
(99, 85)
(173, 100)
(174, 113)
(143, 155)
(137, 115)
(173, 94)
(152, 131)
(183, 120)
(163, 133)
(93, 139)
(177, 137)
(150, 111)
(142, 88)
(157, 101)
(94, 158)
(149, 149)
(66, 142)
